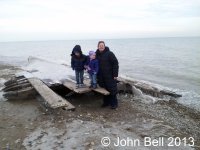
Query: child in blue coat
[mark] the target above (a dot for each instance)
(78, 62)
(93, 68)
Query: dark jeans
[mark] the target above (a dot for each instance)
(93, 79)
(110, 100)
(79, 76)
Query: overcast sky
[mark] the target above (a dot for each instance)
(88, 19)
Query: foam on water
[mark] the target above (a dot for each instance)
(143, 97)
(189, 98)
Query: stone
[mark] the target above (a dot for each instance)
(30, 143)
(60, 142)
(87, 144)
(17, 141)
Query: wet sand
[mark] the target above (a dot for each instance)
(25, 124)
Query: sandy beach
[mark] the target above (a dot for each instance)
(25, 124)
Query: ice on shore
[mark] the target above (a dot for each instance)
(44, 69)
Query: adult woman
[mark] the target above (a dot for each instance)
(108, 73)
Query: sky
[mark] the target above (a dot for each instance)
(25, 20)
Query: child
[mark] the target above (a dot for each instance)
(78, 62)
(93, 68)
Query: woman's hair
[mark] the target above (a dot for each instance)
(101, 42)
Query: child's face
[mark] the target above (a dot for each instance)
(77, 54)
(92, 56)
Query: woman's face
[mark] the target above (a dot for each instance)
(101, 47)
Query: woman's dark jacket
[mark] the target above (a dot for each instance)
(108, 69)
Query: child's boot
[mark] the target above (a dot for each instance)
(94, 86)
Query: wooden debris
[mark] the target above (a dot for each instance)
(72, 86)
(149, 89)
(98, 89)
(16, 83)
(53, 100)
(101, 91)
(20, 94)
(21, 87)
(14, 80)
(170, 93)
(17, 87)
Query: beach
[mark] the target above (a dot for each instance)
(25, 124)
(99, 75)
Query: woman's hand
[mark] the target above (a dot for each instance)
(115, 78)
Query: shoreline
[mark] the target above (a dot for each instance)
(25, 120)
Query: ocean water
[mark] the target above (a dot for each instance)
(173, 63)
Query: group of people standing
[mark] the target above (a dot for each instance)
(103, 68)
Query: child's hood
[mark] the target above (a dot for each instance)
(77, 49)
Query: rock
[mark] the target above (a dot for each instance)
(107, 126)
(87, 133)
(87, 144)
(30, 143)
(43, 132)
(7, 146)
(17, 141)
(122, 123)
(73, 147)
(60, 142)
(104, 120)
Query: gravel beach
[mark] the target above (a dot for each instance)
(25, 124)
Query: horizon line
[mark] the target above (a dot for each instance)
(90, 39)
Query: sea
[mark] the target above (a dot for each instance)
(172, 63)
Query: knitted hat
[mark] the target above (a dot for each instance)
(92, 53)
